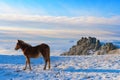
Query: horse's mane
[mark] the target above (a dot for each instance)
(27, 44)
(24, 43)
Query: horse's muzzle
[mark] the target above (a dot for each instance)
(16, 48)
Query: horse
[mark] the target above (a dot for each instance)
(34, 52)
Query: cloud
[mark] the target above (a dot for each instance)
(59, 26)
(13, 14)
(64, 34)
(90, 20)
(6, 8)
(19, 8)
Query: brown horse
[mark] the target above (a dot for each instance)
(34, 52)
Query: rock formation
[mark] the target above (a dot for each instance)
(115, 51)
(87, 46)
(105, 49)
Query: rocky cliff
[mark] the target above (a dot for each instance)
(87, 46)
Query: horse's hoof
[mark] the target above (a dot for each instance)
(24, 68)
(44, 69)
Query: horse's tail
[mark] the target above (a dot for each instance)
(48, 56)
(48, 51)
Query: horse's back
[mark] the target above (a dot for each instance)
(36, 51)
(43, 45)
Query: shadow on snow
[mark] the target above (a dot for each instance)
(92, 70)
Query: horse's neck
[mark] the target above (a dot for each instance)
(24, 47)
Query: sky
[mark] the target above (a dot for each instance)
(60, 19)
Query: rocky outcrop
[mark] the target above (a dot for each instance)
(105, 49)
(87, 46)
(84, 46)
(115, 51)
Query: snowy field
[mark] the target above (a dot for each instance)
(102, 67)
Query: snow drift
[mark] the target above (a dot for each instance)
(102, 67)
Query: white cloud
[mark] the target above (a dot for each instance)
(20, 9)
(15, 13)
(55, 33)
(5, 8)
(21, 23)
(9, 9)
(90, 20)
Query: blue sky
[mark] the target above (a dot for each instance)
(70, 8)
(61, 18)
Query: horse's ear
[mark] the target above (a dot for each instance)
(18, 40)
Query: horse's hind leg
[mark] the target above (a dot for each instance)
(49, 63)
(45, 64)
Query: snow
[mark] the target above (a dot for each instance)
(93, 67)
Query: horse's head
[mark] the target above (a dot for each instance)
(18, 45)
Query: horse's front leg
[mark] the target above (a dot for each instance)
(28, 60)
(25, 65)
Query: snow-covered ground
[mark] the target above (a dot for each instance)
(94, 67)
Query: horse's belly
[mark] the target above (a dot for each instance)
(36, 55)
